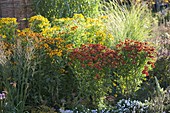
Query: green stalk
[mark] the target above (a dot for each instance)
(1, 108)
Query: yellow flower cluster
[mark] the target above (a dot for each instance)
(152, 2)
(70, 32)
(8, 21)
(79, 30)
(38, 23)
(54, 46)
(3, 36)
(7, 27)
(51, 32)
(78, 16)
(51, 46)
(38, 17)
(64, 19)
(5, 48)
(75, 31)
(27, 34)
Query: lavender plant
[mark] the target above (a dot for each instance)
(2, 101)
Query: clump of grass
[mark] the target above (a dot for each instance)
(132, 21)
(17, 67)
(160, 102)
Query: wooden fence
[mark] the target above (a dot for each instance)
(16, 8)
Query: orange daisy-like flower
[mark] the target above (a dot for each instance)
(97, 77)
(145, 72)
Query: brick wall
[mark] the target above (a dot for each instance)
(16, 8)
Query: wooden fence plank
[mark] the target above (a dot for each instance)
(16, 8)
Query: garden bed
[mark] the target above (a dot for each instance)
(114, 62)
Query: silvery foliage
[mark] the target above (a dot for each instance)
(123, 106)
(86, 111)
(131, 106)
(83, 109)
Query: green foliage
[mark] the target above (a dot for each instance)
(162, 67)
(81, 30)
(74, 31)
(50, 73)
(8, 27)
(70, 62)
(145, 91)
(160, 102)
(89, 64)
(15, 73)
(161, 70)
(129, 62)
(38, 23)
(133, 21)
(65, 8)
(137, 59)
(42, 109)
